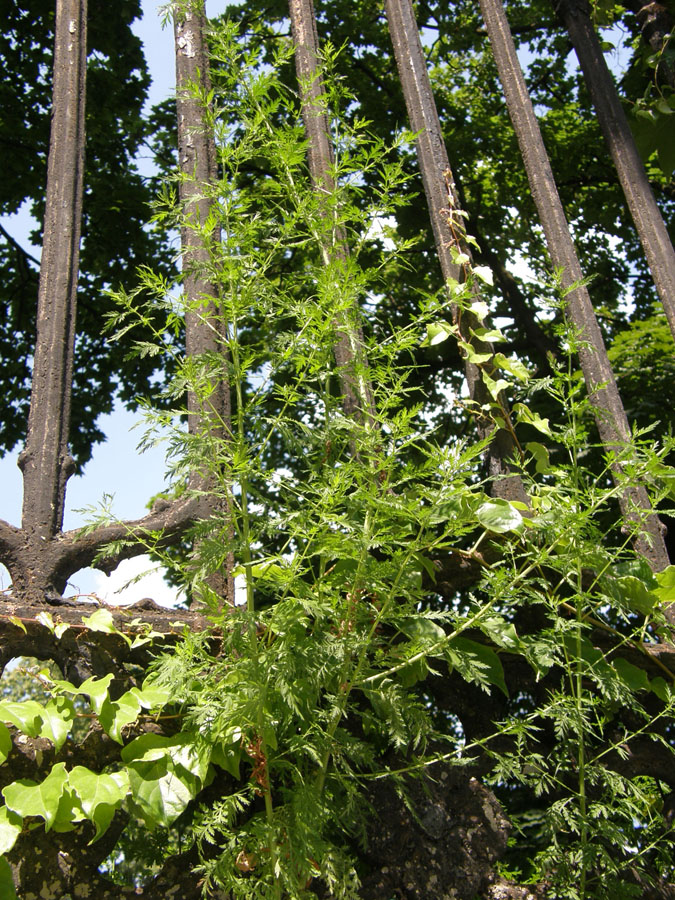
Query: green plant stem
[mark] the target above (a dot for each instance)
(250, 608)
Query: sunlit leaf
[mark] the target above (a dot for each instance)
(5, 742)
(10, 828)
(97, 690)
(484, 273)
(161, 791)
(101, 620)
(26, 798)
(115, 715)
(665, 592)
(25, 715)
(437, 332)
(100, 796)
(57, 718)
(499, 516)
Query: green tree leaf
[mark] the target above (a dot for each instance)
(484, 273)
(425, 632)
(540, 454)
(152, 696)
(530, 417)
(638, 596)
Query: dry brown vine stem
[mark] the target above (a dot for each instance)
(449, 234)
(612, 119)
(350, 355)
(603, 392)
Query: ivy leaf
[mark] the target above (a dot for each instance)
(499, 516)
(45, 618)
(151, 696)
(5, 744)
(7, 891)
(425, 633)
(26, 716)
(413, 673)
(661, 688)
(473, 355)
(100, 796)
(665, 592)
(15, 620)
(489, 335)
(484, 273)
(540, 454)
(633, 591)
(503, 633)
(97, 690)
(228, 757)
(141, 639)
(437, 332)
(57, 718)
(26, 798)
(635, 678)
(480, 309)
(476, 662)
(494, 387)
(146, 748)
(114, 715)
(458, 257)
(514, 366)
(527, 417)
(195, 755)
(101, 620)
(160, 790)
(69, 812)
(10, 828)
(187, 749)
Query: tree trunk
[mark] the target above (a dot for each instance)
(600, 382)
(204, 328)
(448, 225)
(350, 356)
(46, 462)
(656, 25)
(629, 166)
